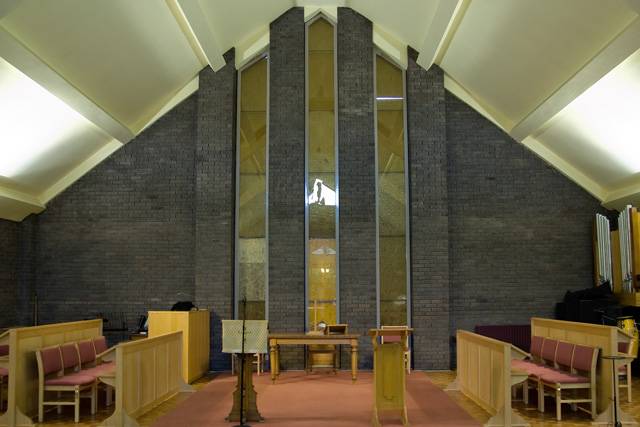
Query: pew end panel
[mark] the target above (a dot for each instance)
(148, 372)
(485, 376)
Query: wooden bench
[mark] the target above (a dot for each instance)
(559, 365)
(23, 368)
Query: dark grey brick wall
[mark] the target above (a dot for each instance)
(286, 178)
(357, 177)
(429, 222)
(27, 269)
(121, 239)
(497, 234)
(9, 266)
(519, 231)
(215, 200)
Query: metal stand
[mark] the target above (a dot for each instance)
(242, 361)
(613, 415)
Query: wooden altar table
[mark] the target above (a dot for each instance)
(278, 339)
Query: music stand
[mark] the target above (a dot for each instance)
(244, 338)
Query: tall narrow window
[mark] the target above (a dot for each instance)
(322, 182)
(251, 191)
(391, 194)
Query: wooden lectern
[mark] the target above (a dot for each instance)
(389, 375)
(255, 341)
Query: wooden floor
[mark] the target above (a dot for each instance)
(442, 379)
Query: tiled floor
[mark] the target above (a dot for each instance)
(442, 379)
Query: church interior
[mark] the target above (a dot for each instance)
(319, 213)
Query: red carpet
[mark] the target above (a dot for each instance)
(317, 400)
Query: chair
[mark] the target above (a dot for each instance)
(89, 365)
(58, 372)
(530, 365)
(624, 371)
(336, 329)
(582, 375)
(388, 339)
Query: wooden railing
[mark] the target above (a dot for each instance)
(484, 375)
(148, 372)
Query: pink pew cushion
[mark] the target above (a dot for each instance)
(100, 344)
(4, 350)
(530, 368)
(391, 339)
(71, 380)
(4, 372)
(556, 377)
(564, 354)
(51, 360)
(87, 352)
(549, 350)
(96, 371)
(536, 346)
(70, 358)
(582, 357)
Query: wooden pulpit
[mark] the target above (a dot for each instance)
(255, 341)
(389, 375)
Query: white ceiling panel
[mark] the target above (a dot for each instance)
(129, 57)
(408, 19)
(41, 138)
(511, 55)
(234, 20)
(599, 132)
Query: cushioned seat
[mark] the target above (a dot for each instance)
(58, 372)
(563, 378)
(99, 370)
(532, 368)
(71, 380)
(4, 372)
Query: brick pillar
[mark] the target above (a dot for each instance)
(286, 179)
(429, 222)
(215, 200)
(356, 144)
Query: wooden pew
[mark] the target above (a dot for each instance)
(147, 373)
(23, 370)
(604, 337)
(484, 375)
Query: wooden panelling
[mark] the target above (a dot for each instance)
(484, 375)
(195, 347)
(23, 370)
(148, 372)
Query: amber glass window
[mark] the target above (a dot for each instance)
(391, 193)
(322, 184)
(251, 222)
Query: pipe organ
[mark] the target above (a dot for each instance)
(603, 251)
(617, 255)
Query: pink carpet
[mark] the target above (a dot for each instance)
(300, 400)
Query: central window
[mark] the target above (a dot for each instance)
(321, 205)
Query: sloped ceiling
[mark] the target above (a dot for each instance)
(559, 76)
